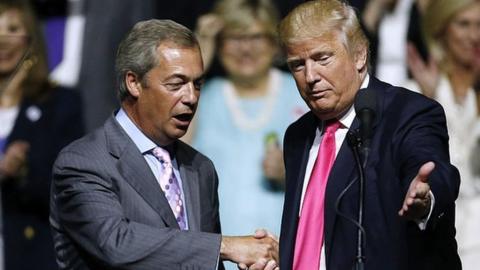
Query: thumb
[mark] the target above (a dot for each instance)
(261, 233)
(425, 171)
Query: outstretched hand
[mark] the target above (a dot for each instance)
(417, 201)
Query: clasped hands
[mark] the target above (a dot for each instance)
(13, 162)
(255, 252)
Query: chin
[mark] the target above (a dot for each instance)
(178, 133)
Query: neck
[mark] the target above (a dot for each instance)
(251, 87)
(461, 78)
(9, 94)
(132, 109)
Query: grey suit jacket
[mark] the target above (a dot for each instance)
(108, 211)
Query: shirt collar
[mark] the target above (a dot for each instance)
(143, 143)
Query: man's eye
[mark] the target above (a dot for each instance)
(296, 66)
(13, 29)
(323, 59)
(173, 86)
(198, 84)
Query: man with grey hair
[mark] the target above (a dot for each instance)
(131, 195)
(410, 187)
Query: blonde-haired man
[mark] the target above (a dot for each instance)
(410, 187)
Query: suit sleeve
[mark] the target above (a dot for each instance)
(423, 137)
(91, 214)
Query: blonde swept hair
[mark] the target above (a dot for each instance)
(438, 15)
(241, 14)
(316, 18)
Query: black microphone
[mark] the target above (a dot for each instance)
(365, 108)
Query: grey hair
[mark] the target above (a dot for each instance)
(137, 51)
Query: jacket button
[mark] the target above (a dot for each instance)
(29, 232)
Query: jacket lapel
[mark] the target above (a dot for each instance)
(191, 188)
(302, 152)
(344, 169)
(298, 150)
(135, 170)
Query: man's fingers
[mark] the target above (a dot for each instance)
(259, 265)
(242, 266)
(412, 205)
(264, 265)
(425, 171)
(421, 191)
(271, 265)
(261, 233)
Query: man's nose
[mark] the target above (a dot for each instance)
(311, 76)
(190, 96)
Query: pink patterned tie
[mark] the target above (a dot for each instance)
(309, 240)
(171, 187)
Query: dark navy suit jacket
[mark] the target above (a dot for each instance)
(47, 125)
(409, 130)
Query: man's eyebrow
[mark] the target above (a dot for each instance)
(294, 60)
(184, 77)
(200, 78)
(178, 76)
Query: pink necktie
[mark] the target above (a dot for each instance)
(171, 187)
(310, 228)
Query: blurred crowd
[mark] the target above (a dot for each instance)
(57, 76)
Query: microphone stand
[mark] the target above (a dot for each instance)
(356, 143)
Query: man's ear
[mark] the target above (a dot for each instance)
(134, 86)
(361, 58)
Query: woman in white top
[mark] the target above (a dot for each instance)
(452, 31)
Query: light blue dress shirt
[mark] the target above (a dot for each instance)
(145, 145)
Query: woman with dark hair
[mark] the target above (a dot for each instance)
(37, 120)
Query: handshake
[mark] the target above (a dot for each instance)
(257, 252)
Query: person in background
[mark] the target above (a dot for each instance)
(243, 115)
(390, 25)
(37, 120)
(452, 31)
(410, 185)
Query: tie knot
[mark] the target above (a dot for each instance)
(161, 154)
(332, 125)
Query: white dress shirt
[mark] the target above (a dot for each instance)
(346, 121)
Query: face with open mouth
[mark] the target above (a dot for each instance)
(169, 93)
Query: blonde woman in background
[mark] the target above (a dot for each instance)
(452, 31)
(242, 116)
